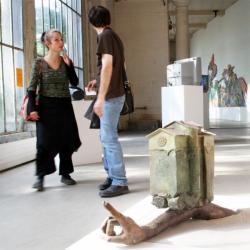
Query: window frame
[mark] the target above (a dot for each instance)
(5, 129)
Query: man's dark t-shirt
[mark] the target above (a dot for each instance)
(108, 42)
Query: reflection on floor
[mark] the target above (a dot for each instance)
(223, 123)
(61, 216)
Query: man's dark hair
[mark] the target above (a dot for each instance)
(99, 16)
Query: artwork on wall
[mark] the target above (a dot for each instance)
(229, 90)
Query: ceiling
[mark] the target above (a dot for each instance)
(201, 12)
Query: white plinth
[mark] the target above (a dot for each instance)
(17, 152)
(182, 103)
(90, 150)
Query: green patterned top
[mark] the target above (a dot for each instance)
(50, 82)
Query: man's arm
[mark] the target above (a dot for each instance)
(106, 73)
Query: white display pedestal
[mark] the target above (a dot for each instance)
(90, 150)
(182, 103)
(17, 152)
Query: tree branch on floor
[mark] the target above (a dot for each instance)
(132, 233)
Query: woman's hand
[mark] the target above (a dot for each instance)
(34, 116)
(66, 59)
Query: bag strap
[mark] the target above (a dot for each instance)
(124, 74)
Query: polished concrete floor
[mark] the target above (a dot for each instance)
(62, 215)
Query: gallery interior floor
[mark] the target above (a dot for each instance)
(69, 217)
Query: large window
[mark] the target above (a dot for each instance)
(11, 64)
(66, 16)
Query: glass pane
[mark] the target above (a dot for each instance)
(46, 15)
(81, 79)
(64, 25)
(70, 35)
(77, 72)
(79, 10)
(9, 89)
(1, 95)
(74, 4)
(17, 23)
(58, 15)
(69, 3)
(20, 88)
(52, 14)
(79, 39)
(6, 22)
(39, 27)
(75, 42)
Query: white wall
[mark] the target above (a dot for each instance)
(228, 37)
(142, 25)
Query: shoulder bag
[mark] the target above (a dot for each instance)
(76, 93)
(24, 107)
(128, 106)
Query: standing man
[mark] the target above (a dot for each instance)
(110, 100)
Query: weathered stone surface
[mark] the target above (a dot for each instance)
(181, 166)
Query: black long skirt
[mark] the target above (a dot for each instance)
(57, 132)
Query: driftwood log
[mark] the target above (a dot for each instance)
(132, 233)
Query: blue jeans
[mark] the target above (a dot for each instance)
(112, 151)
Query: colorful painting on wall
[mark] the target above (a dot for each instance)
(229, 90)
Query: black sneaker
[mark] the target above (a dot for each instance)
(114, 191)
(38, 185)
(66, 179)
(106, 184)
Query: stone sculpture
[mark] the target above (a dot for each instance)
(181, 166)
(181, 178)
